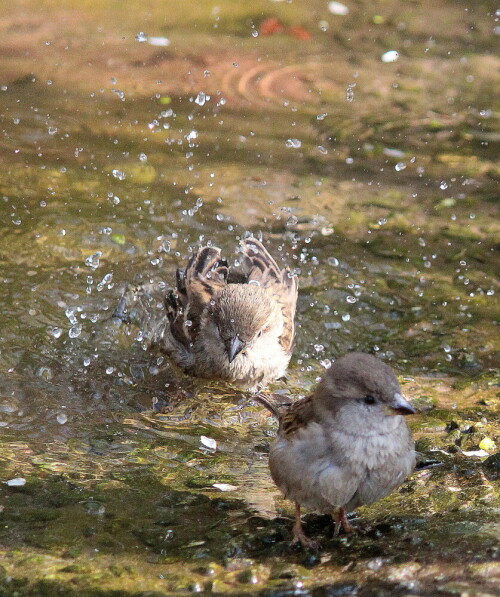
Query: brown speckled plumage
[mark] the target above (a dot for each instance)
(234, 324)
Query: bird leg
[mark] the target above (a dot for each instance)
(299, 535)
(340, 519)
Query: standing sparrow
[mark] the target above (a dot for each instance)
(230, 324)
(344, 446)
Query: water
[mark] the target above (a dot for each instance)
(115, 166)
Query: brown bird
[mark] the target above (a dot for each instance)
(344, 446)
(232, 324)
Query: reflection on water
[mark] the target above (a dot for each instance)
(372, 180)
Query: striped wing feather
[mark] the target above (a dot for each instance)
(280, 283)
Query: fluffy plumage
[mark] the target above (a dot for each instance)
(232, 324)
(346, 445)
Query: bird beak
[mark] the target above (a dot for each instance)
(234, 346)
(400, 406)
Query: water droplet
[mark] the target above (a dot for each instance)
(399, 166)
(390, 56)
(443, 185)
(143, 157)
(62, 418)
(17, 482)
(351, 299)
(188, 323)
(54, 332)
(52, 130)
(294, 143)
(119, 174)
(393, 153)
(109, 370)
(75, 331)
(86, 362)
(141, 37)
(338, 9)
(346, 317)
(159, 41)
(292, 221)
(325, 363)
(319, 347)
(201, 98)
(208, 442)
(93, 260)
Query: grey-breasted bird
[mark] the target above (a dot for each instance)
(344, 446)
(232, 324)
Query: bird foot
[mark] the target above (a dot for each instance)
(298, 533)
(340, 518)
(305, 541)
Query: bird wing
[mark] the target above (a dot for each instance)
(205, 274)
(298, 415)
(280, 283)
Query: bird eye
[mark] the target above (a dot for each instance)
(369, 400)
(259, 334)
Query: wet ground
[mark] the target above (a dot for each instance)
(131, 135)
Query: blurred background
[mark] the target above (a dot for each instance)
(359, 140)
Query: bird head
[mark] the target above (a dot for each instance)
(363, 385)
(244, 317)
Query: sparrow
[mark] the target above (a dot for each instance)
(344, 446)
(234, 324)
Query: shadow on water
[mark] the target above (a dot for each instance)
(374, 181)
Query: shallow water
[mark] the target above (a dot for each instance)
(375, 181)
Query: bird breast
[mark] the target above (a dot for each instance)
(322, 469)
